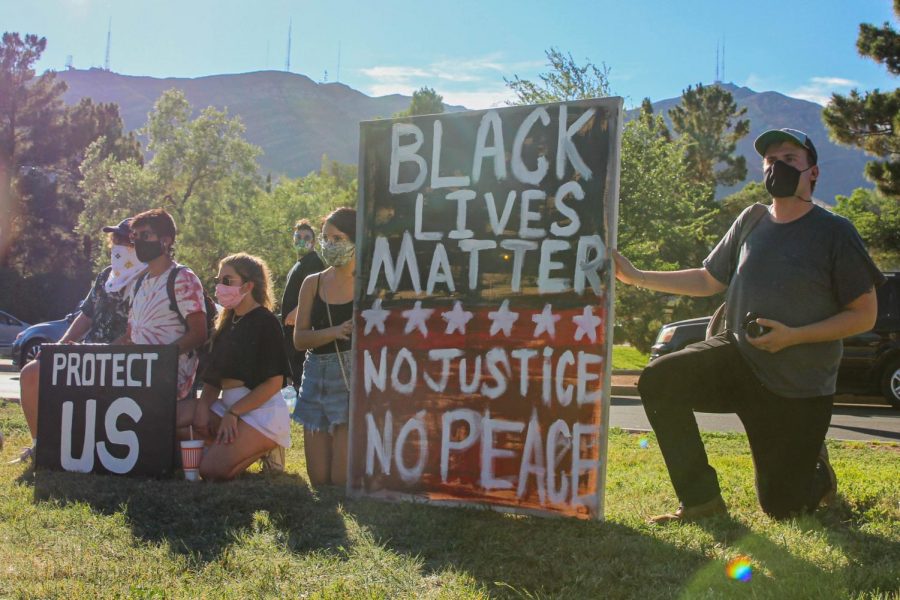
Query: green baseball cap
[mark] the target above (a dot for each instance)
(774, 136)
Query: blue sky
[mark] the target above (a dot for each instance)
(463, 49)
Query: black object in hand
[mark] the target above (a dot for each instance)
(752, 327)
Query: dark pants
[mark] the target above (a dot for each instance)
(785, 434)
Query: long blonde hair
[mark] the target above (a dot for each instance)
(249, 268)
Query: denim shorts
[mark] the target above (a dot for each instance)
(324, 401)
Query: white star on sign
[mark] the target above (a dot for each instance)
(457, 318)
(503, 319)
(587, 324)
(416, 317)
(375, 317)
(545, 322)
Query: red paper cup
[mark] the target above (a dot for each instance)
(191, 453)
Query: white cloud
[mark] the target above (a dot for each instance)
(815, 89)
(820, 89)
(474, 83)
(835, 81)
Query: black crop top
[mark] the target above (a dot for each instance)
(319, 320)
(249, 350)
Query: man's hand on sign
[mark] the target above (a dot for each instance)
(625, 271)
(343, 331)
(227, 429)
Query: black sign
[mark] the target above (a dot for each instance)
(484, 307)
(107, 409)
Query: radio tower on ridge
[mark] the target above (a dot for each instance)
(287, 62)
(108, 41)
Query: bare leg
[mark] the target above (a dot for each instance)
(184, 416)
(225, 461)
(317, 448)
(28, 389)
(339, 456)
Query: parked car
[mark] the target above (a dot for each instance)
(871, 362)
(26, 345)
(10, 327)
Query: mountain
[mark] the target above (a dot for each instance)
(292, 118)
(296, 120)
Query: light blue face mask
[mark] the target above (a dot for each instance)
(302, 245)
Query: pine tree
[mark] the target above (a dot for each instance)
(425, 101)
(565, 81)
(43, 143)
(871, 120)
(710, 124)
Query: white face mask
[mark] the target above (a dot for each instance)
(125, 267)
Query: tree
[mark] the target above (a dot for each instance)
(664, 224)
(666, 217)
(202, 171)
(652, 121)
(877, 218)
(565, 81)
(871, 120)
(42, 145)
(710, 123)
(425, 101)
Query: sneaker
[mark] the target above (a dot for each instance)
(687, 514)
(824, 465)
(273, 462)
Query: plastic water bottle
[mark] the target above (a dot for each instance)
(290, 397)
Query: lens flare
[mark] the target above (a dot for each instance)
(644, 443)
(739, 569)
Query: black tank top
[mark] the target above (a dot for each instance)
(319, 320)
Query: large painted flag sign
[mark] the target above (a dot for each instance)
(484, 307)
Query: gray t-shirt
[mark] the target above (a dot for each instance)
(795, 273)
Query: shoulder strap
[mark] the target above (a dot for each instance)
(755, 214)
(137, 283)
(170, 288)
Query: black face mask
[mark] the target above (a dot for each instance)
(782, 179)
(148, 250)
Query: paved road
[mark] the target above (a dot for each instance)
(849, 422)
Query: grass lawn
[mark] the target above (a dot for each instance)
(80, 536)
(629, 358)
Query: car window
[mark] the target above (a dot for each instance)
(889, 303)
(4, 320)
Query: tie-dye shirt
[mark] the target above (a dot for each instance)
(152, 321)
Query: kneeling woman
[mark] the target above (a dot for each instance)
(248, 366)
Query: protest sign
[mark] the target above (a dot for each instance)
(484, 307)
(107, 409)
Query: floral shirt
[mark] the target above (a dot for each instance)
(152, 321)
(107, 311)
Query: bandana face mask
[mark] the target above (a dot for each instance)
(125, 267)
(338, 254)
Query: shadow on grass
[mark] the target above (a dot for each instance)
(779, 572)
(520, 556)
(203, 519)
